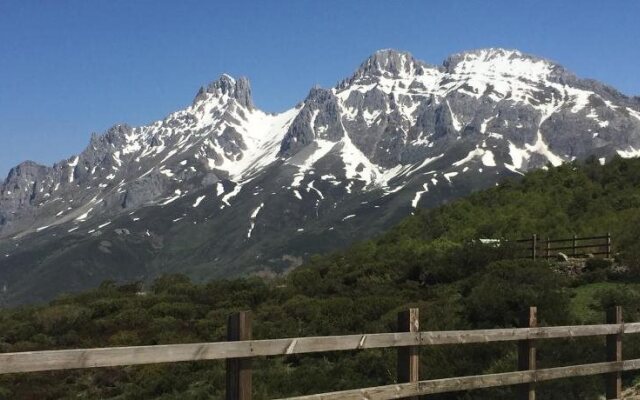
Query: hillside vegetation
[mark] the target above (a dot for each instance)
(431, 260)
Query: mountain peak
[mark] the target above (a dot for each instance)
(390, 62)
(238, 89)
(26, 169)
(498, 53)
(501, 61)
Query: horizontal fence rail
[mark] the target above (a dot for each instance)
(473, 382)
(239, 350)
(138, 355)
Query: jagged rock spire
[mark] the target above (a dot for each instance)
(239, 89)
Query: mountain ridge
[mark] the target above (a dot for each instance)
(203, 89)
(256, 192)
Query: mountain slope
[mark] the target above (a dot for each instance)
(428, 261)
(222, 188)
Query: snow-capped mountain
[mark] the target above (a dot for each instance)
(222, 188)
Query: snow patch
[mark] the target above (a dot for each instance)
(219, 189)
(177, 193)
(487, 159)
(198, 201)
(311, 187)
(449, 175)
(232, 194)
(416, 198)
(254, 214)
(630, 153)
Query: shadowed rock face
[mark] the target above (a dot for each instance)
(222, 188)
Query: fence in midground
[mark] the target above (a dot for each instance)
(536, 247)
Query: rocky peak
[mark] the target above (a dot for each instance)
(20, 189)
(318, 95)
(25, 172)
(116, 135)
(388, 63)
(239, 89)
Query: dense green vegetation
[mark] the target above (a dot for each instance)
(431, 260)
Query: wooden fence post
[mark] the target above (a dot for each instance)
(527, 354)
(575, 243)
(534, 244)
(608, 244)
(614, 353)
(408, 357)
(239, 369)
(548, 249)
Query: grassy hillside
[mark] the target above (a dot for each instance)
(430, 260)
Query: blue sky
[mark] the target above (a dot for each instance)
(69, 68)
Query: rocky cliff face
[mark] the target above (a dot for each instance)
(222, 188)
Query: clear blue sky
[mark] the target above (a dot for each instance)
(69, 68)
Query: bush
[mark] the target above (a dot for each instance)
(594, 264)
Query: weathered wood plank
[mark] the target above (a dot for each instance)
(472, 382)
(578, 246)
(238, 370)
(138, 355)
(614, 353)
(534, 245)
(527, 355)
(118, 356)
(408, 356)
(513, 334)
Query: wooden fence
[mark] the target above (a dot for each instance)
(575, 246)
(240, 349)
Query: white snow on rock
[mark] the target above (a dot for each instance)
(487, 159)
(104, 225)
(542, 148)
(629, 153)
(307, 159)
(486, 156)
(310, 187)
(225, 199)
(457, 125)
(84, 216)
(254, 214)
(416, 198)
(167, 172)
(198, 201)
(518, 156)
(219, 189)
(634, 113)
(72, 165)
(449, 175)
(263, 133)
(176, 195)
